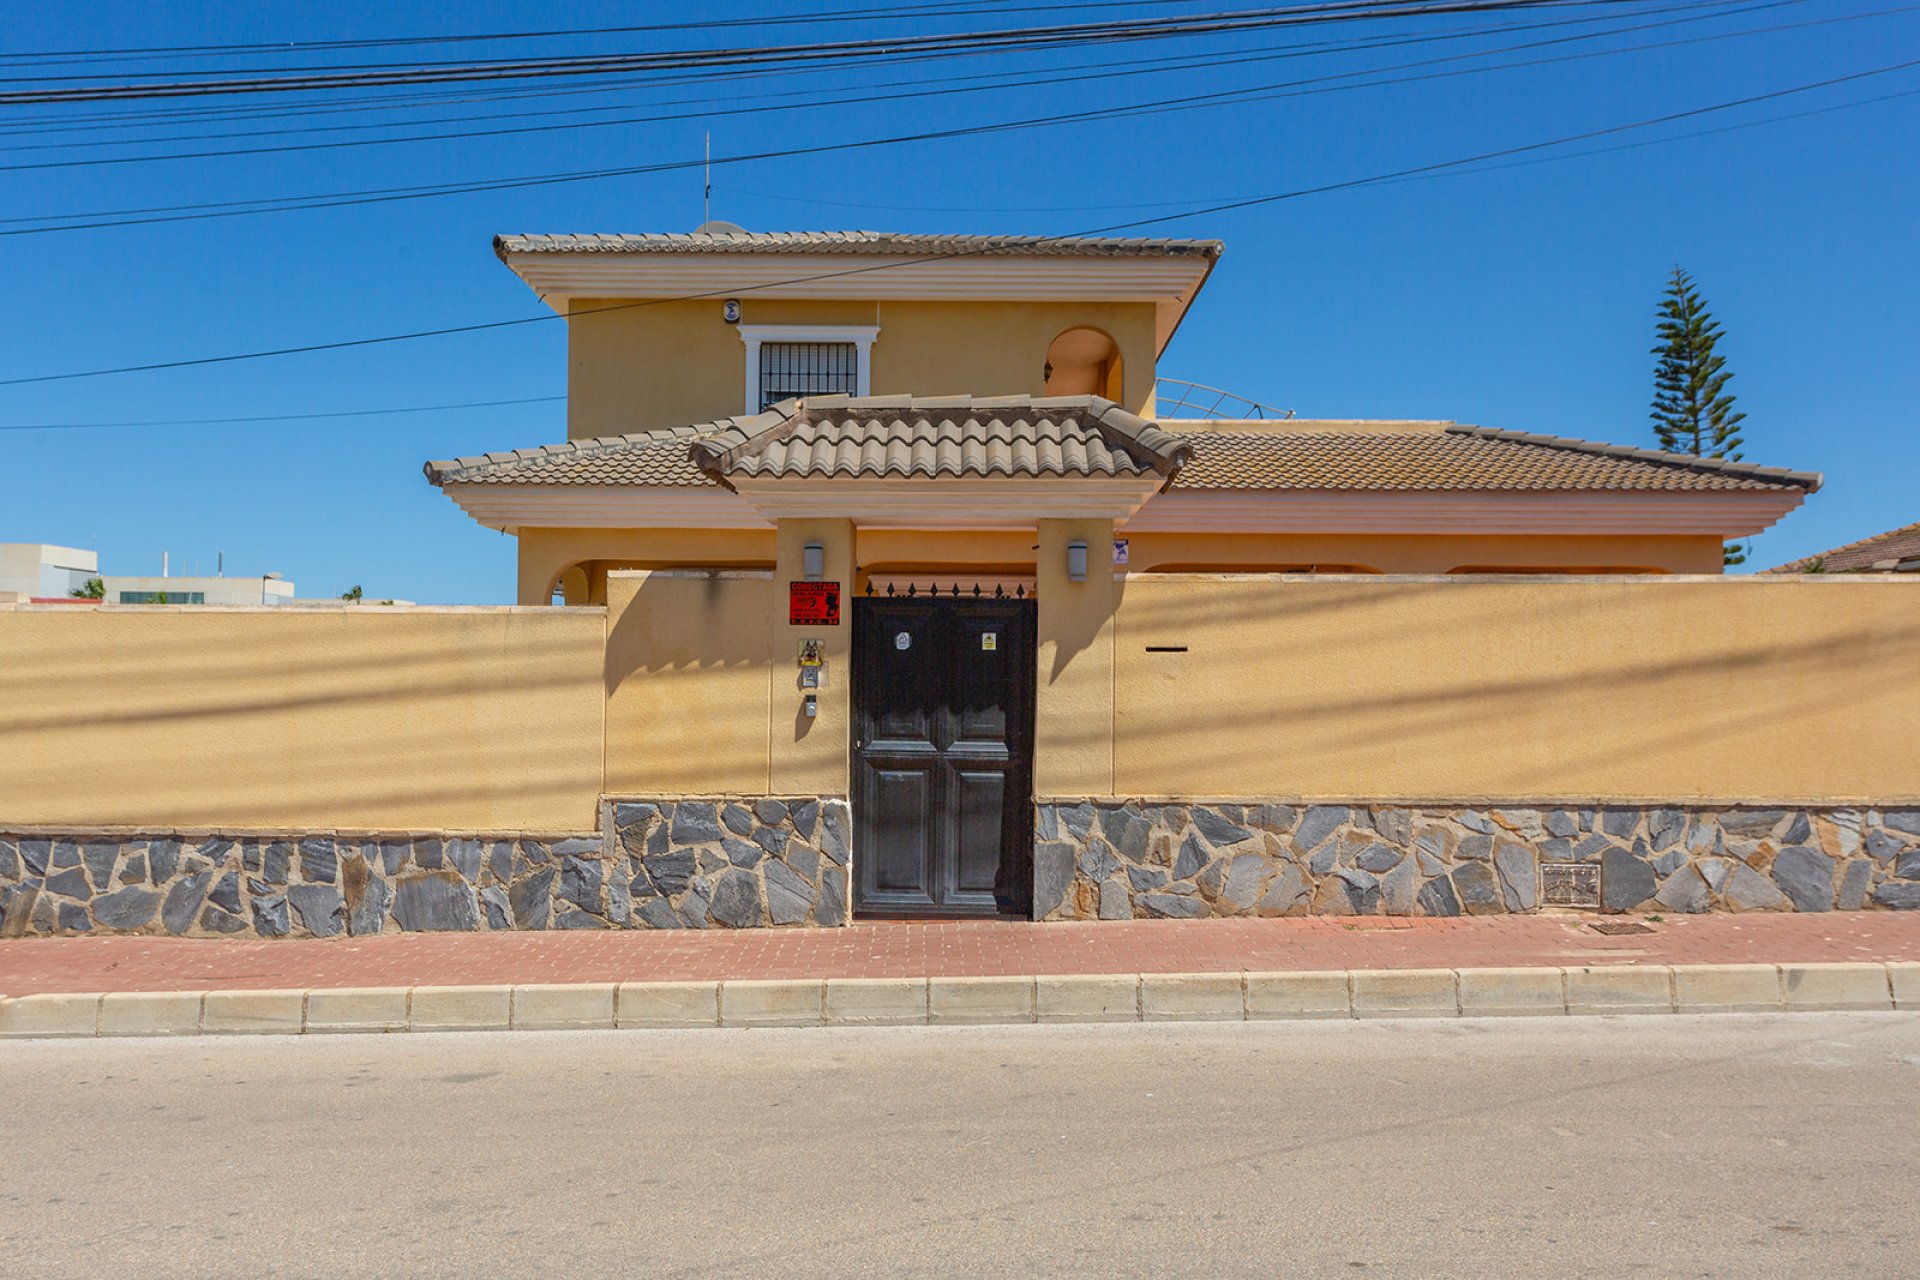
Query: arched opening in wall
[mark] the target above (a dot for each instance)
(1084, 362)
(1261, 568)
(569, 586)
(1629, 569)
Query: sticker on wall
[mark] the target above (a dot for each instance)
(1121, 551)
(989, 641)
(902, 640)
(813, 604)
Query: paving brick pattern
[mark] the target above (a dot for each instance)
(31, 966)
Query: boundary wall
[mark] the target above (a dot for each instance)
(1233, 744)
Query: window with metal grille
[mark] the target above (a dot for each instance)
(789, 369)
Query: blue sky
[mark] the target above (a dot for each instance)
(1518, 297)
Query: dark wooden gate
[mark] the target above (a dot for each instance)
(943, 694)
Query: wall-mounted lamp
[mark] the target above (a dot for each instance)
(813, 562)
(1076, 562)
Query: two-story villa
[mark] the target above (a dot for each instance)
(862, 508)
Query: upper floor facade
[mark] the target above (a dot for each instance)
(665, 330)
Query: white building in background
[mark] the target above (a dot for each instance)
(266, 589)
(42, 571)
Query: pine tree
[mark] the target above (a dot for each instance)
(1692, 409)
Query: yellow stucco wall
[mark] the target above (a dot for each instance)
(1073, 691)
(1426, 553)
(1652, 688)
(375, 719)
(633, 367)
(687, 680)
(1371, 688)
(545, 553)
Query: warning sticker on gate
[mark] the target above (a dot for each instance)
(989, 641)
(813, 604)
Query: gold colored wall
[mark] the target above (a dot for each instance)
(366, 718)
(1073, 689)
(631, 368)
(546, 553)
(1426, 553)
(687, 682)
(1549, 688)
(1352, 688)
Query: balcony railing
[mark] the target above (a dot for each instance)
(1175, 398)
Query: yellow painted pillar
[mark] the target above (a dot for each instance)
(811, 754)
(1073, 732)
(537, 566)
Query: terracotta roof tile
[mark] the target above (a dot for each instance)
(1087, 436)
(1453, 458)
(1883, 553)
(940, 436)
(643, 458)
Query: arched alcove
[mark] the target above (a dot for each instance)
(1084, 361)
(569, 586)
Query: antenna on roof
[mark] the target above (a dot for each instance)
(706, 205)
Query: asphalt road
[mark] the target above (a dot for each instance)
(1736, 1146)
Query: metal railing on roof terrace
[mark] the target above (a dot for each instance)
(1174, 398)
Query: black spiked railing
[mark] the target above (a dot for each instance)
(954, 590)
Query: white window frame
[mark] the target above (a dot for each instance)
(860, 335)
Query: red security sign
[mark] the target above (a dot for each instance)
(813, 604)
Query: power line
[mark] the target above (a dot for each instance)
(965, 8)
(1120, 31)
(1140, 67)
(1044, 77)
(1459, 172)
(277, 417)
(91, 121)
(1188, 102)
(1132, 225)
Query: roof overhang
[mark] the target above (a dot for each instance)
(1169, 282)
(513, 507)
(924, 503)
(1718, 513)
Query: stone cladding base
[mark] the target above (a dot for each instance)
(1110, 859)
(682, 863)
(745, 862)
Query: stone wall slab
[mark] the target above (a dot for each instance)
(717, 862)
(1107, 858)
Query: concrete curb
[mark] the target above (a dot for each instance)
(813, 1002)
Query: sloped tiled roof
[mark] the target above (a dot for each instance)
(1883, 553)
(1455, 457)
(857, 242)
(1087, 436)
(943, 436)
(643, 458)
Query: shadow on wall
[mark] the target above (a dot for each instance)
(686, 681)
(1449, 689)
(402, 720)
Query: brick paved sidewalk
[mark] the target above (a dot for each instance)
(31, 966)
